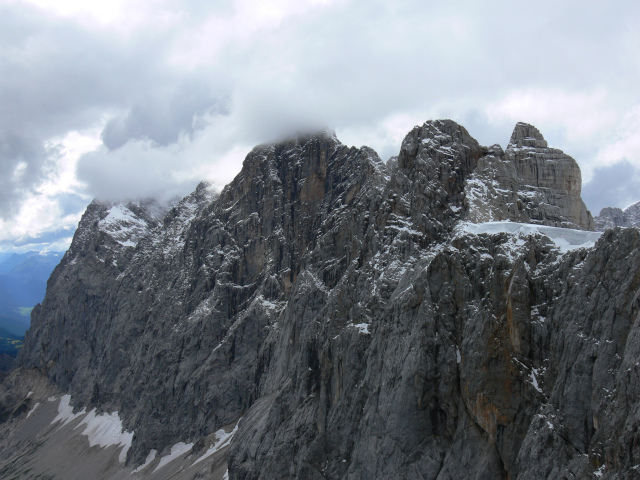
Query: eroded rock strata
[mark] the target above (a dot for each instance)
(338, 308)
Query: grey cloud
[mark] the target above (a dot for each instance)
(46, 238)
(617, 185)
(21, 168)
(163, 119)
(137, 169)
(56, 76)
(60, 76)
(349, 65)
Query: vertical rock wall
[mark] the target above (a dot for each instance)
(327, 301)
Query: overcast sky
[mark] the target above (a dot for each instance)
(124, 99)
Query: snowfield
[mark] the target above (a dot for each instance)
(566, 239)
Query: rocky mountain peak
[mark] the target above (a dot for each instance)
(528, 182)
(611, 217)
(441, 137)
(526, 135)
(330, 316)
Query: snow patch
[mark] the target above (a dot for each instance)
(106, 430)
(103, 430)
(363, 328)
(177, 450)
(565, 239)
(534, 380)
(222, 440)
(124, 226)
(65, 411)
(33, 409)
(270, 305)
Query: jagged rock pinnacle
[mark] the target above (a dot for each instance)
(525, 135)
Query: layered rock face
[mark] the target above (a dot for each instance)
(528, 182)
(165, 326)
(339, 311)
(611, 217)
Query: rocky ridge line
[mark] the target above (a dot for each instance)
(326, 301)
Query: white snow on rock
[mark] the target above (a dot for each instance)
(123, 225)
(565, 239)
(65, 411)
(127, 227)
(33, 409)
(363, 328)
(222, 440)
(533, 379)
(103, 430)
(177, 450)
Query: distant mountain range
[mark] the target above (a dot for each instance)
(611, 217)
(23, 281)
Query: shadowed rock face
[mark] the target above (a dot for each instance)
(329, 301)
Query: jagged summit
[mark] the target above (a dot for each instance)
(525, 135)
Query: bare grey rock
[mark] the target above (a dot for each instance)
(332, 307)
(528, 182)
(611, 217)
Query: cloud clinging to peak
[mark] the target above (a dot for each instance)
(171, 92)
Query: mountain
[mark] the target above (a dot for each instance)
(611, 217)
(23, 281)
(450, 314)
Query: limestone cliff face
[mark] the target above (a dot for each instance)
(338, 308)
(528, 182)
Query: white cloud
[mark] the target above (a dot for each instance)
(385, 136)
(42, 211)
(184, 89)
(579, 114)
(626, 145)
(61, 177)
(123, 16)
(240, 25)
(142, 168)
(595, 127)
